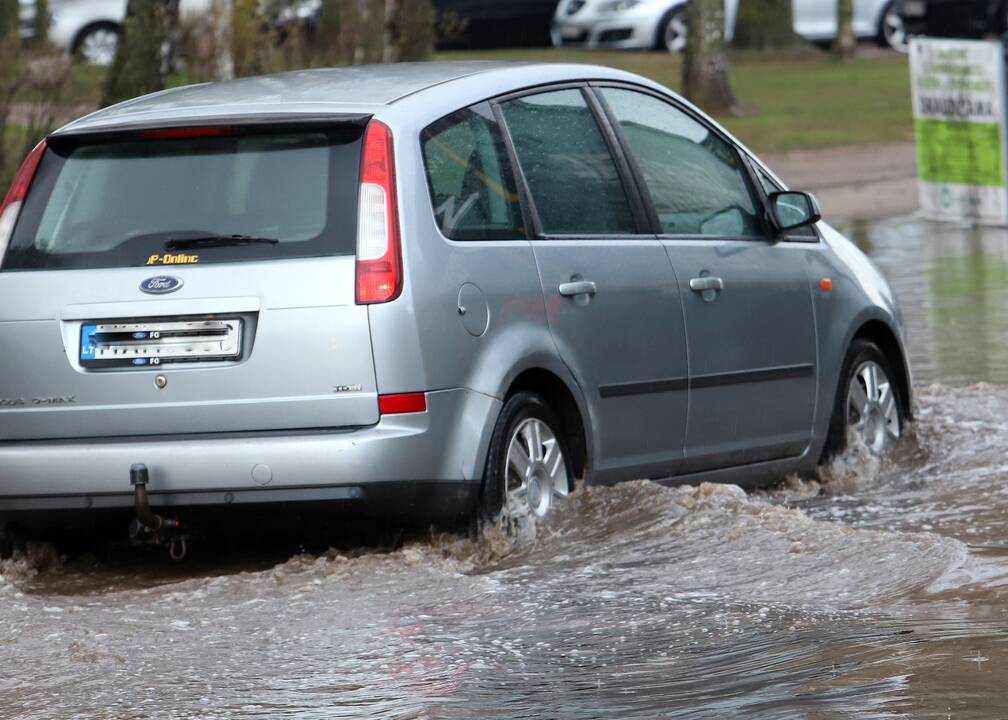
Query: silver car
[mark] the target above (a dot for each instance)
(89, 29)
(422, 291)
(645, 24)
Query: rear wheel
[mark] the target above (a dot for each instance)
(527, 466)
(868, 405)
(672, 31)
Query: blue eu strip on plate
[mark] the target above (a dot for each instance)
(87, 347)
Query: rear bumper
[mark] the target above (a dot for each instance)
(424, 466)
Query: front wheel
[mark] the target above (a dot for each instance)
(98, 44)
(868, 406)
(892, 33)
(672, 32)
(527, 466)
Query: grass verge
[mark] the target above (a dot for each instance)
(801, 100)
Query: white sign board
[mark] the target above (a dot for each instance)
(959, 116)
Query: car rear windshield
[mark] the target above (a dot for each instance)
(239, 195)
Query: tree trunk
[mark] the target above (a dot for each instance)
(246, 38)
(171, 34)
(764, 25)
(705, 64)
(11, 81)
(136, 69)
(9, 22)
(41, 38)
(845, 44)
(371, 40)
(339, 22)
(414, 30)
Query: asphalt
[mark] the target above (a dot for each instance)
(865, 182)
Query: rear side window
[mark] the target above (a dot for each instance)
(567, 164)
(695, 178)
(471, 184)
(159, 201)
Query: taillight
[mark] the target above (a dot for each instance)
(402, 403)
(16, 194)
(379, 260)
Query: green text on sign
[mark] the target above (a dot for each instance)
(960, 153)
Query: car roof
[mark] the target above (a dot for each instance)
(322, 93)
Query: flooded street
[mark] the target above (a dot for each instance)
(882, 592)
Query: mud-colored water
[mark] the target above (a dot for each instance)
(952, 282)
(880, 593)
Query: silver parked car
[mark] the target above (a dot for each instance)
(421, 289)
(645, 24)
(89, 29)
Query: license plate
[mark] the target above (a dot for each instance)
(570, 33)
(914, 7)
(146, 344)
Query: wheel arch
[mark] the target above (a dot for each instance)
(659, 30)
(563, 401)
(882, 335)
(92, 25)
(880, 18)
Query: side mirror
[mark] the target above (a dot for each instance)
(791, 210)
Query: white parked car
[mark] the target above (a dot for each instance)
(643, 24)
(88, 29)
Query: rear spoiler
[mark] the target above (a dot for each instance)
(259, 122)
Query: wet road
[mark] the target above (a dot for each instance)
(882, 593)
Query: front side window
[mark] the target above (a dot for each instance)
(234, 196)
(471, 185)
(695, 178)
(567, 164)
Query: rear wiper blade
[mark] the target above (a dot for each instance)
(218, 241)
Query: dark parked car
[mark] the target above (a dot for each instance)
(465, 24)
(494, 23)
(955, 18)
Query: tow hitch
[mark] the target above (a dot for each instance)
(148, 526)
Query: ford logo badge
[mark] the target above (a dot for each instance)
(160, 284)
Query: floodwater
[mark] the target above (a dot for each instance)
(881, 592)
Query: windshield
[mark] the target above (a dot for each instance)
(191, 200)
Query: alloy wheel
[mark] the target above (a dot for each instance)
(99, 46)
(872, 410)
(536, 471)
(893, 30)
(675, 33)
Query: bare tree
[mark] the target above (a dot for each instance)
(705, 64)
(41, 37)
(248, 44)
(845, 43)
(413, 31)
(375, 31)
(137, 66)
(764, 25)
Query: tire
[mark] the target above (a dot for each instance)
(891, 33)
(97, 44)
(674, 23)
(881, 420)
(545, 476)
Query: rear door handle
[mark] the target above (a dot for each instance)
(708, 282)
(579, 287)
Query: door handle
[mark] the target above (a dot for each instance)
(708, 282)
(578, 287)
